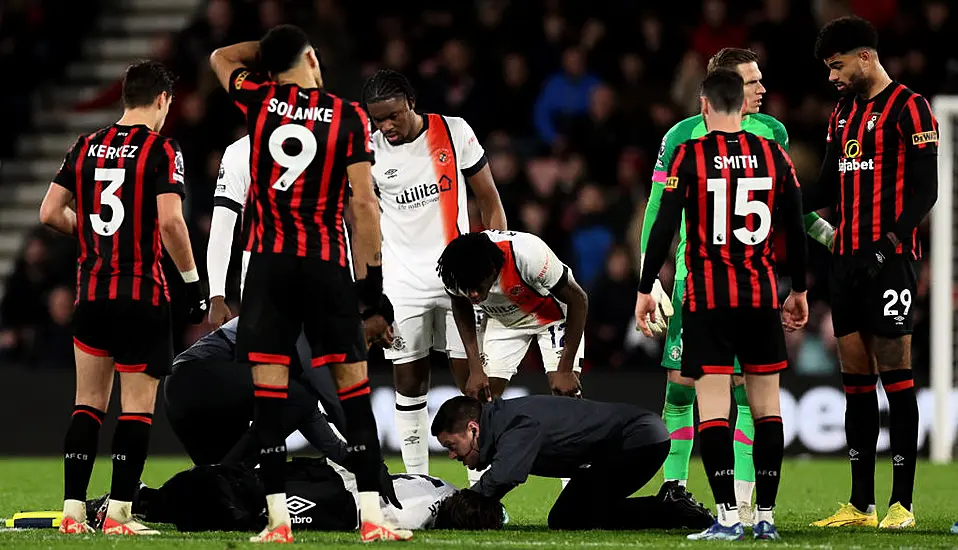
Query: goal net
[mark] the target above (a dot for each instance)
(942, 257)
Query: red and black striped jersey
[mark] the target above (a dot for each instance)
(871, 145)
(733, 187)
(301, 141)
(115, 175)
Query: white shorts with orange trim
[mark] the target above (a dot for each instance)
(503, 348)
(422, 325)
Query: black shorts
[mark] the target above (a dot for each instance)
(713, 338)
(135, 334)
(287, 294)
(883, 307)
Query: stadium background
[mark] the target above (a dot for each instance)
(570, 100)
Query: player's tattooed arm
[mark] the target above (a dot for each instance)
(229, 58)
(55, 211)
(490, 206)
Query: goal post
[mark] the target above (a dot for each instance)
(942, 282)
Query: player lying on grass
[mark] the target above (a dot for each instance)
(680, 390)
(321, 496)
(608, 450)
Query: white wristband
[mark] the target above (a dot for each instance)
(190, 276)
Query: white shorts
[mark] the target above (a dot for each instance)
(503, 348)
(422, 325)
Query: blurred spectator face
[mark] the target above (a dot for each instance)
(193, 108)
(915, 61)
(661, 114)
(490, 13)
(60, 304)
(533, 217)
(628, 169)
(395, 118)
(631, 67)
(592, 32)
(553, 26)
(713, 12)
(325, 9)
(753, 86)
(455, 57)
(514, 69)
(777, 107)
(572, 170)
(396, 55)
(218, 14)
(35, 252)
(776, 11)
(590, 200)
(162, 47)
(504, 166)
(602, 103)
(573, 62)
(652, 33)
(618, 265)
(937, 14)
(270, 13)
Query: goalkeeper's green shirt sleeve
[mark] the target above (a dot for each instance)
(669, 142)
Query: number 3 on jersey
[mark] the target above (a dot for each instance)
(295, 164)
(108, 198)
(743, 207)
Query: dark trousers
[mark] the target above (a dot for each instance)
(597, 497)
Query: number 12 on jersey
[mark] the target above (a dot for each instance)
(718, 188)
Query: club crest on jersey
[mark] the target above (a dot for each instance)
(870, 125)
(221, 173)
(443, 156)
(516, 290)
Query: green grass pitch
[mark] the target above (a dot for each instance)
(810, 490)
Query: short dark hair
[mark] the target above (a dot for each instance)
(845, 34)
(387, 84)
(143, 81)
(725, 90)
(454, 414)
(281, 46)
(468, 261)
(730, 58)
(469, 510)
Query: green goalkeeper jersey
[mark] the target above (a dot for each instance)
(692, 128)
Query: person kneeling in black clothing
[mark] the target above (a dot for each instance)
(608, 450)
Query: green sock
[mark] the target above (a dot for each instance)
(744, 434)
(679, 419)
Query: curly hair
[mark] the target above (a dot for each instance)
(469, 260)
(470, 511)
(844, 35)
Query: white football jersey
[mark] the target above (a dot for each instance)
(232, 183)
(419, 495)
(520, 297)
(422, 193)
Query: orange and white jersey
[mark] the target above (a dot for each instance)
(521, 296)
(422, 192)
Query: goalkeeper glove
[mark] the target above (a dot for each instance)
(663, 309)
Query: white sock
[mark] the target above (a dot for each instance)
(474, 475)
(744, 490)
(75, 509)
(565, 481)
(727, 517)
(119, 511)
(278, 512)
(682, 482)
(413, 426)
(764, 515)
(369, 509)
